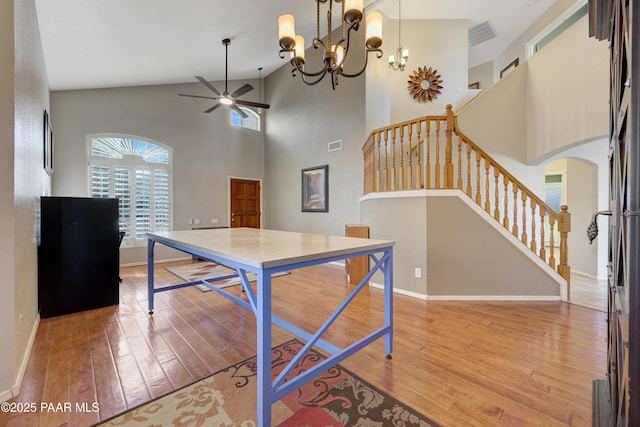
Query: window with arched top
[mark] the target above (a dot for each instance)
(138, 173)
(252, 121)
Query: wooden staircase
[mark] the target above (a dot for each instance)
(432, 153)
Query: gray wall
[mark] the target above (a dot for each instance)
(206, 148)
(467, 256)
(403, 220)
(7, 209)
(460, 252)
(302, 120)
(24, 95)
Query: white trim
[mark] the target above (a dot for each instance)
(493, 298)
(397, 194)
(15, 389)
(400, 291)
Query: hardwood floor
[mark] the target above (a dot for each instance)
(588, 292)
(460, 363)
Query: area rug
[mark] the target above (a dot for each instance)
(336, 398)
(211, 270)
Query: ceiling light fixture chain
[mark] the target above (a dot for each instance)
(334, 55)
(399, 61)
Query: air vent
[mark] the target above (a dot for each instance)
(481, 33)
(334, 145)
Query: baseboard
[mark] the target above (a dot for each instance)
(15, 389)
(590, 276)
(545, 298)
(400, 291)
(155, 261)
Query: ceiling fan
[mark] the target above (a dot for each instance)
(226, 98)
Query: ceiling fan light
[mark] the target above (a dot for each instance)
(226, 101)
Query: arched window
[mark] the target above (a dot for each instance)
(138, 173)
(251, 122)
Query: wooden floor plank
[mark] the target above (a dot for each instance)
(460, 363)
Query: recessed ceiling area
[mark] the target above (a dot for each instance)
(97, 43)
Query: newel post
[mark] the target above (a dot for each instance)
(564, 227)
(449, 149)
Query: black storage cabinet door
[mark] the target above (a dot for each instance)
(78, 255)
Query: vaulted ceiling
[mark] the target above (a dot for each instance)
(97, 43)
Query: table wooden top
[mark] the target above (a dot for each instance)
(263, 248)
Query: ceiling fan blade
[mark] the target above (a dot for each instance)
(196, 96)
(213, 108)
(244, 89)
(252, 104)
(237, 109)
(207, 84)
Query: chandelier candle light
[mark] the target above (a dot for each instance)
(399, 61)
(334, 55)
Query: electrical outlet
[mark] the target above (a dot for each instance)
(196, 221)
(190, 221)
(418, 273)
(214, 220)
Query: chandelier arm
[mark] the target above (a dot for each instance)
(312, 82)
(297, 68)
(352, 26)
(317, 43)
(366, 60)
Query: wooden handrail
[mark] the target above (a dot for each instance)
(408, 156)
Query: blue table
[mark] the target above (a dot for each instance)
(265, 252)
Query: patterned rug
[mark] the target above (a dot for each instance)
(336, 398)
(211, 270)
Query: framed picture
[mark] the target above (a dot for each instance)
(509, 67)
(315, 189)
(47, 144)
(475, 85)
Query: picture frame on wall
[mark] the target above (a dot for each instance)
(315, 189)
(47, 144)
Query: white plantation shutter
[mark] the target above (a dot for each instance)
(143, 202)
(138, 174)
(122, 190)
(100, 180)
(161, 205)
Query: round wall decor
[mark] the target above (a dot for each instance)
(425, 84)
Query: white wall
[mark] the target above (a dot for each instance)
(483, 74)
(567, 92)
(518, 49)
(440, 44)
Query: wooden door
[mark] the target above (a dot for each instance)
(619, 20)
(245, 203)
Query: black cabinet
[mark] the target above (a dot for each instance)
(78, 255)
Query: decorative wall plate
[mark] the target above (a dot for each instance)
(425, 84)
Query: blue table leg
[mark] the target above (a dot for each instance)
(388, 303)
(263, 319)
(150, 284)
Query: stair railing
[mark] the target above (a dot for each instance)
(432, 153)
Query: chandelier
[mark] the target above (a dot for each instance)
(334, 54)
(399, 61)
